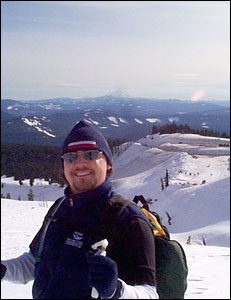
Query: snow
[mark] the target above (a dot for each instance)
(122, 120)
(197, 199)
(50, 106)
(94, 122)
(173, 119)
(35, 123)
(113, 119)
(138, 121)
(153, 120)
(15, 107)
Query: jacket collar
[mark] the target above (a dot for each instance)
(93, 198)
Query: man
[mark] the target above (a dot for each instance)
(61, 260)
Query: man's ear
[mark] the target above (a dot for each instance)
(109, 167)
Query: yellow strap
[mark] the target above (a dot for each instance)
(152, 218)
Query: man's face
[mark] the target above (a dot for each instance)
(85, 175)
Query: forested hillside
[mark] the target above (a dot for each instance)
(35, 161)
(184, 128)
(30, 161)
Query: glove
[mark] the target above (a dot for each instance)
(102, 274)
(3, 270)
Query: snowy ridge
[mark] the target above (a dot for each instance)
(189, 143)
(155, 140)
(198, 184)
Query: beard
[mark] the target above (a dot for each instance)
(80, 184)
(83, 185)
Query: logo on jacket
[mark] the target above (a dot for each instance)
(78, 235)
(77, 241)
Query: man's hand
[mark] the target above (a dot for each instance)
(103, 274)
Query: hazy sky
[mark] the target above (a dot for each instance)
(152, 49)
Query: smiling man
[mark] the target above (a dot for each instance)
(83, 174)
(86, 158)
(61, 260)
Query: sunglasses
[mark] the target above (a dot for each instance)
(71, 157)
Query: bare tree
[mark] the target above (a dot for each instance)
(169, 218)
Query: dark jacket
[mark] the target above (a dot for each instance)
(82, 220)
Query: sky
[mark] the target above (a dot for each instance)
(150, 49)
(201, 211)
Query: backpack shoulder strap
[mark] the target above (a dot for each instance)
(54, 208)
(48, 218)
(157, 228)
(121, 202)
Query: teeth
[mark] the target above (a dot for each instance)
(82, 173)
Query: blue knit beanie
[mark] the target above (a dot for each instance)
(85, 136)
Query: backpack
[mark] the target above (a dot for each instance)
(171, 263)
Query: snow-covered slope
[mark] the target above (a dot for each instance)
(209, 266)
(197, 200)
(197, 197)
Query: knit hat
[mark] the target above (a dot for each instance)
(85, 136)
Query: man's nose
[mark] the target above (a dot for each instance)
(80, 158)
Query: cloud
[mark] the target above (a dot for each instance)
(67, 84)
(198, 95)
(186, 75)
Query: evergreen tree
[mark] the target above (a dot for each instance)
(8, 196)
(166, 179)
(162, 183)
(30, 195)
(155, 129)
(223, 135)
(188, 242)
(203, 240)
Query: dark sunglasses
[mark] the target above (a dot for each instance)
(71, 157)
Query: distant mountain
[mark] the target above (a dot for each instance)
(46, 122)
(112, 103)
